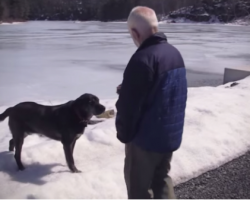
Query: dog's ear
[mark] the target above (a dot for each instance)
(74, 104)
(82, 107)
(79, 108)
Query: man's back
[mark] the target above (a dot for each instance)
(151, 106)
(161, 122)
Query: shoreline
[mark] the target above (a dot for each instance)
(234, 23)
(165, 21)
(12, 22)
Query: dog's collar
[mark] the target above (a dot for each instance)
(81, 120)
(86, 122)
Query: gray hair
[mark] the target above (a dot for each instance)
(143, 19)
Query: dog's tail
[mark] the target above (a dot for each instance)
(5, 114)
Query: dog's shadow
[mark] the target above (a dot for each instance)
(33, 173)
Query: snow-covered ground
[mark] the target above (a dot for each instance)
(217, 129)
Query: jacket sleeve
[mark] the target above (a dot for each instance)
(137, 81)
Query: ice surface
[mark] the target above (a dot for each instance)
(62, 60)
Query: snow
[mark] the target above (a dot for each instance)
(13, 23)
(210, 13)
(181, 20)
(216, 131)
(80, 22)
(243, 21)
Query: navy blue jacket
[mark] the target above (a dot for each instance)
(153, 95)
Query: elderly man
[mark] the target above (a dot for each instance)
(150, 108)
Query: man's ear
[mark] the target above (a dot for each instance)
(155, 29)
(135, 34)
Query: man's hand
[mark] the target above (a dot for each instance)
(118, 89)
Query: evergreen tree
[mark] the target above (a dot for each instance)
(1, 11)
(4, 10)
(103, 10)
(25, 9)
(14, 9)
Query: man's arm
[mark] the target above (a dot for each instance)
(138, 79)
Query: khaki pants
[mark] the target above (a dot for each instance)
(146, 174)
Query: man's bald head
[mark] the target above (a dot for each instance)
(144, 22)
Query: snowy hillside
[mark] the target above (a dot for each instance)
(213, 11)
(216, 130)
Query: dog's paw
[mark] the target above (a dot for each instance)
(21, 168)
(77, 171)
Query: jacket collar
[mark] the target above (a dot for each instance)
(157, 38)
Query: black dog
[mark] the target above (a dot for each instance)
(65, 123)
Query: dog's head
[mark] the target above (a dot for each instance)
(88, 105)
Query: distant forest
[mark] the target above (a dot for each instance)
(103, 10)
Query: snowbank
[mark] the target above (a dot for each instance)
(13, 23)
(243, 21)
(213, 20)
(80, 22)
(217, 129)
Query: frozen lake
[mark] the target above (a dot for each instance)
(62, 60)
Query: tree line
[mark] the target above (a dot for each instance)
(16, 10)
(104, 10)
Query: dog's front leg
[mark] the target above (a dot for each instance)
(69, 158)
